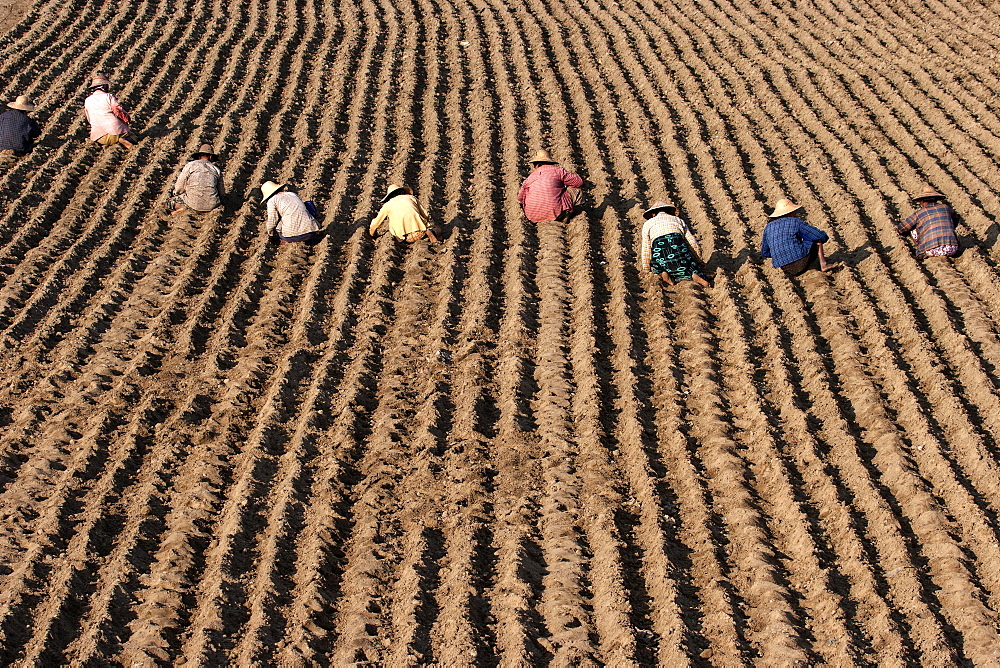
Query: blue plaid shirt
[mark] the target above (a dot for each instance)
(788, 239)
(17, 131)
(934, 226)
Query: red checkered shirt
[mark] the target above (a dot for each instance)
(543, 194)
(934, 226)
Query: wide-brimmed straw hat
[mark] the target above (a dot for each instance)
(783, 207)
(22, 102)
(205, 149)
(927, 192)
(268, 188)
(100, 80)
(543, 157)
(395, 190)
(659, 205)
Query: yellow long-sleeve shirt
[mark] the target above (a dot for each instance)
(404, 214)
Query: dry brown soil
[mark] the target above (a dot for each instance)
(506, 449)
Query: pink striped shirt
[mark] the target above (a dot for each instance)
(543, 194)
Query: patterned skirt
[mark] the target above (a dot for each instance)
(672, 255)
(948, 250)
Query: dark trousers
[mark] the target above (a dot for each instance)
(800, 266)
(308, 236)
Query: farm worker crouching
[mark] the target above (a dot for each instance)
(931, 226)
(108, 119)
(17, 130)
(549, 192)
(199, 186)
(407, 219)
(287, 215)
(792, 244)
(669, 249)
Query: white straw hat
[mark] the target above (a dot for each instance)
(783, 207)
(269, 188)
(659, 205)
(542, 156)
(394, 190)
(22, 102)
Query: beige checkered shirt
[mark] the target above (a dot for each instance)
(287, 214)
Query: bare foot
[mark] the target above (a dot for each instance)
(700, 280)
(666, 279)
(432, 236)
(832, 267)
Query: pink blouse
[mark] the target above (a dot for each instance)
(102, 122)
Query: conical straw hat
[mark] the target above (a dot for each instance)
(268, 189)
(543, 156)
(659, 205)
(783, 207)
(394, 190)
(22, 102)
(925, 193)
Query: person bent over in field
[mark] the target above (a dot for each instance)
(669, 249)
(108, 119)
(549, 192)
(287, 215)
(931, 226)
(792, 244)
(17, 131)
(407, 219)
(199, 186)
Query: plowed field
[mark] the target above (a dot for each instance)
(507, 448)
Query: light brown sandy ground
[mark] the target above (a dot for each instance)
(505, 449)
(12, 11)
